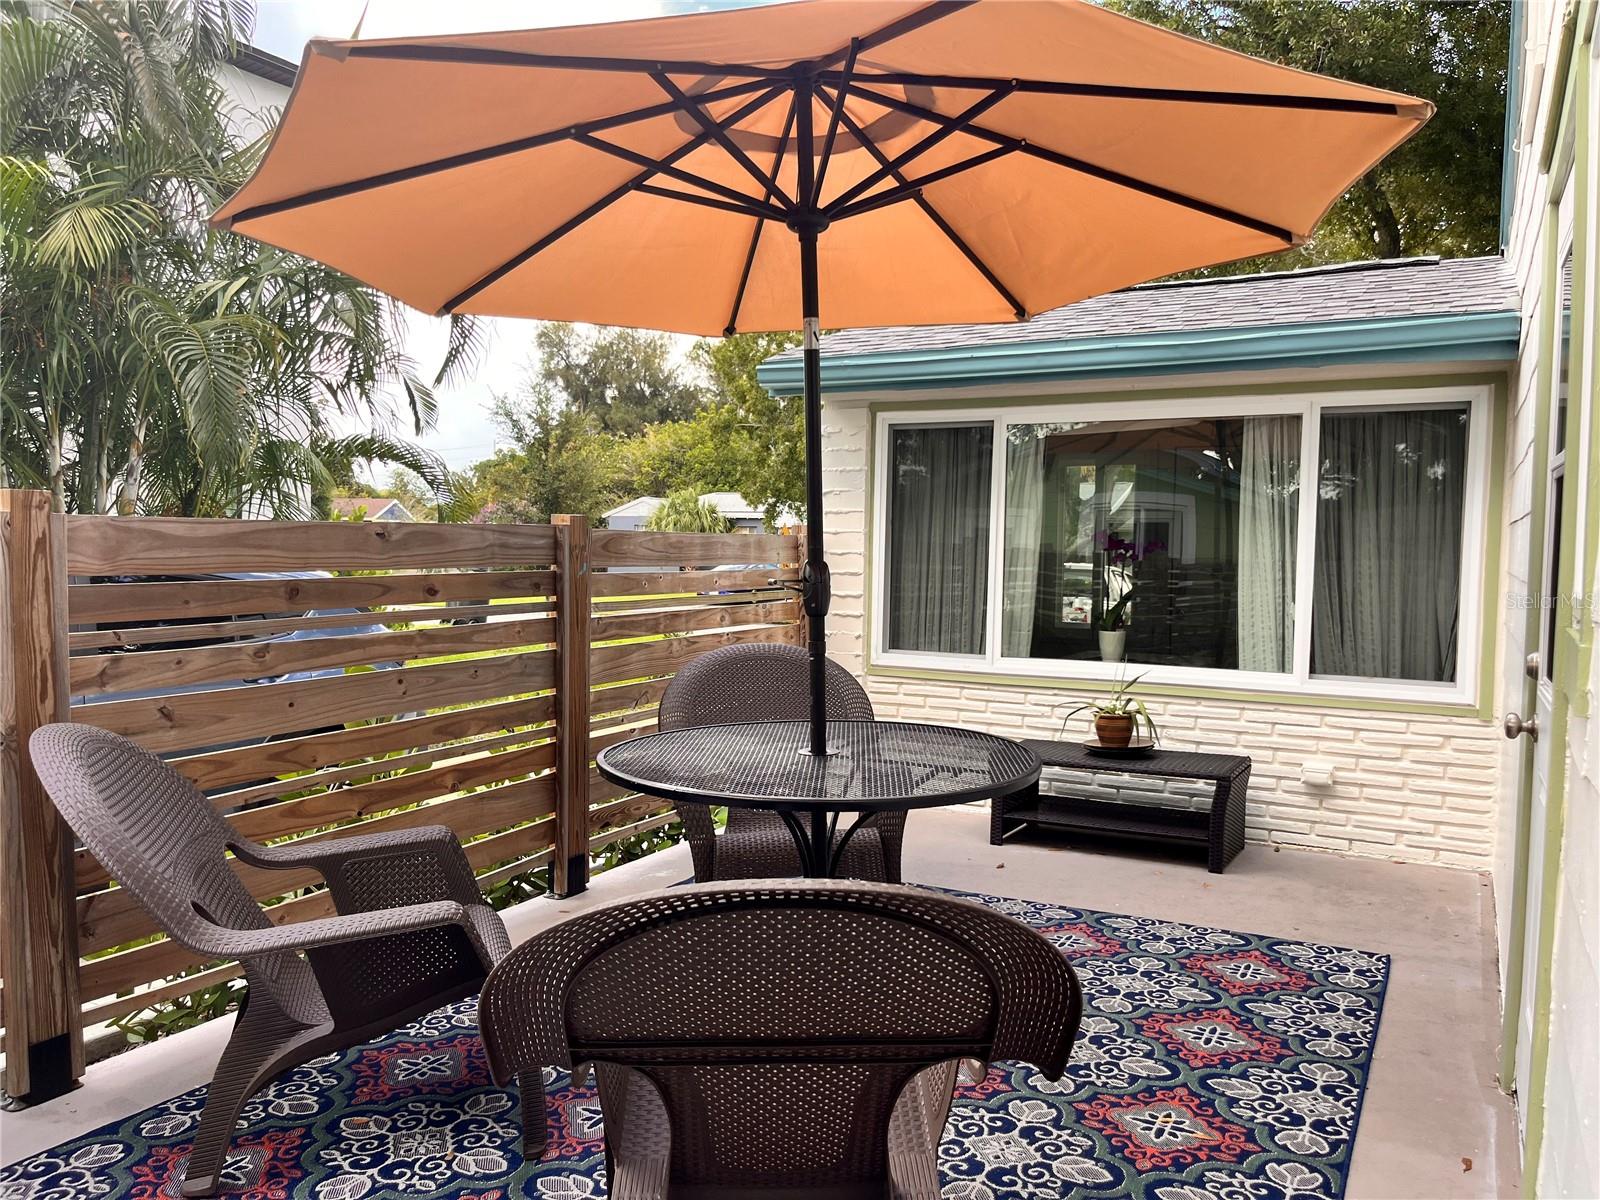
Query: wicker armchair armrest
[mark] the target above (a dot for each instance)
(333, 857)
(313, 853)
(222, 942)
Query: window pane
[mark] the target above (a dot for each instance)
(939, 537)
(1195, 519)
(1388, 549)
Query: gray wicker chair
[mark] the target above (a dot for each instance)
(412, 933)
(776, 1038)
(770, 682)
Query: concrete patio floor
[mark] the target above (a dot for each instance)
(1435, 1124)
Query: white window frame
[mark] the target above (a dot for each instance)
(1309, 407)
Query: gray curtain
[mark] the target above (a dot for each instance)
(1269, 502)
(1388, 546)
(1024, 524)
(939, 537)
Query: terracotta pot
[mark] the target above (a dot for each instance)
(1113, 730)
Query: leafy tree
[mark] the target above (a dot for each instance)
(1440, 192)
(763, 435)
(703, 454)
(684, 512)
(560, 464)
(148, 364)
(620, 379)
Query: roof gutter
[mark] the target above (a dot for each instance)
(1475, 337)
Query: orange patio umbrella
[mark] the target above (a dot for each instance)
(848, 162)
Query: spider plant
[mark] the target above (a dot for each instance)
(1120, 702)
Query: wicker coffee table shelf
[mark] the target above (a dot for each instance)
(1220, 829)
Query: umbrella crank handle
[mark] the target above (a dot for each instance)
(816, 588)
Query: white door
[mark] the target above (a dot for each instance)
(1545, 576)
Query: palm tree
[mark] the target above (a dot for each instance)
(684, 512)
(147, 363)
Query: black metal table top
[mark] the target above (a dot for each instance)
(875, 765)
(1182, 764)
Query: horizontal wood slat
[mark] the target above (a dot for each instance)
(602, 840)
(677, 583)
(193, 720)
(140, 636)
(98, 674)
(248, 764)
(637, 659)
(614, 701)
(627, 548)
(120, 1006)
(649, 622)
(92, 602)
(626, 810)
(183, 545)
(371, 768)
(289, 817)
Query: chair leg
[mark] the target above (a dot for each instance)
(535, 1121)
(264, 1041)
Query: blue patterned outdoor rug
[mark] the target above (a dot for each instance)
(1211, 1065)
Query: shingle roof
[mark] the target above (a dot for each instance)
(1347, 292)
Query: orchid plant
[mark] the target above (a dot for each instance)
(1121, 555)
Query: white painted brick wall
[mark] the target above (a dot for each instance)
(1407, 787)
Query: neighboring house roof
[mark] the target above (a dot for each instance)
(730, 504)
(264, 65)
(376, 508)
(1419, 307)
(640, 506)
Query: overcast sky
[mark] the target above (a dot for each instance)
(464, 433)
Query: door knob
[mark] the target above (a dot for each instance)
(1516, 727)
(1530, 665)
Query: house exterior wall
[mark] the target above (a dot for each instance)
(1415, 786)
(1554, 189)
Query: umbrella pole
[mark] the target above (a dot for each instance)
(817, 584)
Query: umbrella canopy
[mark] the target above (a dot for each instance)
(1061, 151)
(854, 162)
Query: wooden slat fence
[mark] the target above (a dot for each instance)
(321, 678)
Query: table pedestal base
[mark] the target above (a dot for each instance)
(813, 839)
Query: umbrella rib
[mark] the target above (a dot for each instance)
(944, 226)
(1131, 182)
(1049, 87)
(755, 233)
(600, 205)
(718, 131)
(469, 157)
(744, 210)
(947, 127)
(737, 200)
(906, 188)
(480, 56)
(936, 11)
(815, 199)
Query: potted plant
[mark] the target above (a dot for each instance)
(1117, 717)
(1113, 629)
(1121, 556)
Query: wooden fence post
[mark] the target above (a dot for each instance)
(569, 871)
(39, 932)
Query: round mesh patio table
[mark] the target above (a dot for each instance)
(873, 766)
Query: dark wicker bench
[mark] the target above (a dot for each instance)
(1220, 830)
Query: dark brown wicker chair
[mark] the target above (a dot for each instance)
(770, 682)
(412, 933)
(776, 1038)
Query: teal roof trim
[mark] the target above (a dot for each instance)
(1462, 337)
